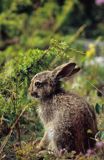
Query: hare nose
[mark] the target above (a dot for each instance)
(34, 94)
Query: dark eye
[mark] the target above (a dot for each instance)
(38, 84)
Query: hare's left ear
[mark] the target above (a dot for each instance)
(65, 70)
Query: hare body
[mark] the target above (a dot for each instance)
(69, 121)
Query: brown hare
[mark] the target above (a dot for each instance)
(69, 121)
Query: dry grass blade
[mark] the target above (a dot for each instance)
(78, 33)
(95, 87)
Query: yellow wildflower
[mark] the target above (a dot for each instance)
(91, 51)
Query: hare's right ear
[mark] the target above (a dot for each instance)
(65, 70)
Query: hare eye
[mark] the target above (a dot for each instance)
(38, 84)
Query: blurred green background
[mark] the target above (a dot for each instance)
(41, 34)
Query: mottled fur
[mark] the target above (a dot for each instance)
(69, 121)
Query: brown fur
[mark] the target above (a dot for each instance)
(69, 121)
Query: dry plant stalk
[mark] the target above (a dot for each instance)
(11, 130)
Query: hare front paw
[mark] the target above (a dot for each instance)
(40, 146)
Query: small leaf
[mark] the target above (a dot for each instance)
(102, 108)
(102, 135)
(97, 108)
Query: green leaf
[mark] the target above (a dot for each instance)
(102, 135)
(97, 108)
(102, 108)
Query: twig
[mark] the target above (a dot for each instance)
(73, 49)
(11, 130)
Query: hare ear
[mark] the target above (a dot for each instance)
(64, 70)
(75, 70)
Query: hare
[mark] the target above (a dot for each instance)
(69, 121)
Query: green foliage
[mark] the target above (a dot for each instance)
(17, 71)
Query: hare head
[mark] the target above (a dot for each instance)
(47, 83)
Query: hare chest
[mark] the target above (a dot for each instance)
(46, 120)
(50, 133)
(46, 114)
